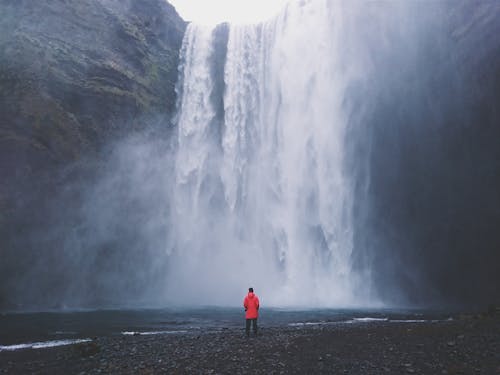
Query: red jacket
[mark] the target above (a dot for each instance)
(251, 305)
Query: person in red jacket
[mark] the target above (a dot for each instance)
(251, 305)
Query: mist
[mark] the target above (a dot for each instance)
(343, 154)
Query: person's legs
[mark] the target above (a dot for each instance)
(248, 326)
(254, 326)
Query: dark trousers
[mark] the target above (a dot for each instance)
(254, 323)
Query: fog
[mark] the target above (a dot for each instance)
(343, 154)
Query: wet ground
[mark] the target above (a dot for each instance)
(464, 344)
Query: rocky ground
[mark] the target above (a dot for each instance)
(465, 345)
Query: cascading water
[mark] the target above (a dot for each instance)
(262, 195)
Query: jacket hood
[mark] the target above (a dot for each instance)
(251, 294)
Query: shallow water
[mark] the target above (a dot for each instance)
(46, 329)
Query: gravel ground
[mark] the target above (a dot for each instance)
(467, 344)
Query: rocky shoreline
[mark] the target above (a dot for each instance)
(467, 344)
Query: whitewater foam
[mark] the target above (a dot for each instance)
(147, 333)
(369, 319)
(43, 344)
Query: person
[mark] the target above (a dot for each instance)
(251, 305)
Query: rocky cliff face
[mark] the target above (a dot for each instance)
(74, 76)
(433, 194)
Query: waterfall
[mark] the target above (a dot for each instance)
(262, 194)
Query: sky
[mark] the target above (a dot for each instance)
(211, 12)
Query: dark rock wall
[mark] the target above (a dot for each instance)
(75, 76)
(74, 73)
(429, 210)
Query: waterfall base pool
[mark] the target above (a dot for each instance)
(46, 329)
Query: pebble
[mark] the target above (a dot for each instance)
(336, 350)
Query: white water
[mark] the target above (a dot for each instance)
(149, 333)
(42, 344)
(262, 196)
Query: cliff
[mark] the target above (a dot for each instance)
(75, 74)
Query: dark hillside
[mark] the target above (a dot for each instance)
(74, 76)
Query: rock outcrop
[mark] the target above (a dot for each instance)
(75, 74)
